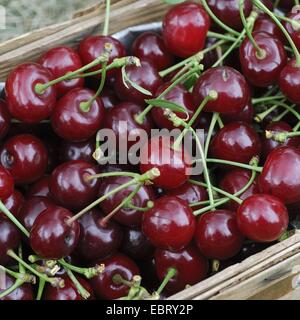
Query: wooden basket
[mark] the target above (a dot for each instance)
(270, 274)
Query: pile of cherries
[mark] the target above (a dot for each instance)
(72, 228)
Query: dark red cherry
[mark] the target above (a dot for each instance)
(286, 4)
(280, 176)
(23, 102)
(264, 24)
(69, 292)
(189, 263)
(69, 186)
(97, 241)
(59, 61)
(51, 237)
(72, 123)
(170, 224)
(10, 238)
(174, 165)
(92, 47)
(293, 30)
(5, 119)
(6, 183)
(25, 157)
(185, 27)
(40, 188)
(236, 141)
(228, 11)
(217, 235)
(13, 203)
(246, 115)
(146, 76)
(230, 85)
(178, 95)
(262, 71)
(109, 98)
(262, 218)
(104, 285)
(233, 181)
(150, 46)
(82, 150)
(126, 216)
(24, 292)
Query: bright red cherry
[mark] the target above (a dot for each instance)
(185, 27)
(191, 267)
(230, 85)
(5, 119)
(71, 122)
(170, 224)
(246, 115)
(82, 150)
(51, 237)
(40, 188)
(263, 23)
(25, 157)
(23, 102)
(279, 181)
(13, 203)
(262, 218)
(59, 61)
(217, 235)
(70, 187)
(6, 183)
(104, 285)
(293, 30)
(24, 292)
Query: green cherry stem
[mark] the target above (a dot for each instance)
(21, 276)
(281, 136)
(297, 127)
(220, 36)
(41, 288)
(210, 132)
(235, 164)
(18, 283)
(294, 23)
(112, 174)
(106, 21)
(81, 290)
(259, 117)
(289, 108)
(150, 204)
(87, 272)
(170, 274)
(267, 99)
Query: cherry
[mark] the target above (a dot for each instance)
(265, 70)
(40, 188)
(69, 291)
(264, 24)
(262, 218)
(185, 27)
(109, 98)
(246, 115)
(104, 285)
(293, 30)
(25, 157)
(51, 237)
(5, 119)
(59, 61)
(10, 238)
(150, 46)
(236, 141)
(174, 168)
(191, 267)
(178, 95)
(276, 180)
(228, 11)
(13, 203)
(23, 102)
(70, 187)
(233, 181)
(6, 183)
(217, 235)
(230, 85)
(24, 292)
(97, 241)
(71, 122)
(190, 193)
(286, 4)
(170, 216)
(146, 76)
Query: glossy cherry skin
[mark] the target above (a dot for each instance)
(69, 187)
(246, 115)
(289, 82)
(178, 95)
(103, 284)
(262, 72)
(24, 292)
(6, 183)
(109, 98)
(82, 150)
(189, 263)
(293, 31)
(59, 61)
(70, 122)
(184, 29)
(174, 169)
(264, 24)
(276, 180)
(23, 102)
(25, 157)
(5, 119)
(233, 181)
(236, 141)
(228, 11)
(217, 235)
(92, 47)
(51, 237)
(230, 85)
(145, 76)
(40, 188)
(262, 218)
(97, 241)
(10, 238)
(69, 292)
(13, 203)
(150, 46)
(170, 224)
